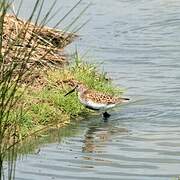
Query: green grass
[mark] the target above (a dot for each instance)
(21, 116)
(48, 105)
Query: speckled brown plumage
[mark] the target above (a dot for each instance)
(96, 100)
(98, 97)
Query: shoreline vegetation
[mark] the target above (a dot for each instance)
(35, 74)
(42, 103)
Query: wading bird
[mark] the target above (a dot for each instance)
(96, 100)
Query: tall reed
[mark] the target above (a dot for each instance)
(15, 67)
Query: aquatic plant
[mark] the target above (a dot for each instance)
(17, 47)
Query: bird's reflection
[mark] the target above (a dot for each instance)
(99, 134)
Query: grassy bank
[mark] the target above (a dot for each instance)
(34, 78)
(44, 102)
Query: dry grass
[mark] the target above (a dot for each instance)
(50, 42)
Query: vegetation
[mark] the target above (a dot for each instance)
(31, 87)
(24, 50)
(44, 103)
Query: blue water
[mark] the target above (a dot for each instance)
(138, 44)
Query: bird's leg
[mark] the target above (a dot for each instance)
(106, 115)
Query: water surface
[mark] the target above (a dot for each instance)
(138, 43)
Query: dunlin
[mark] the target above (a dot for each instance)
(96, 100)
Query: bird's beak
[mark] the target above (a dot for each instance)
(125, 100)
(70, 91)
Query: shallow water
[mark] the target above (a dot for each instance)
(138, 43)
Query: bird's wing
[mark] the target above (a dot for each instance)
(100, 97)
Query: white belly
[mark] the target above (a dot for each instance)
(96, 106)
